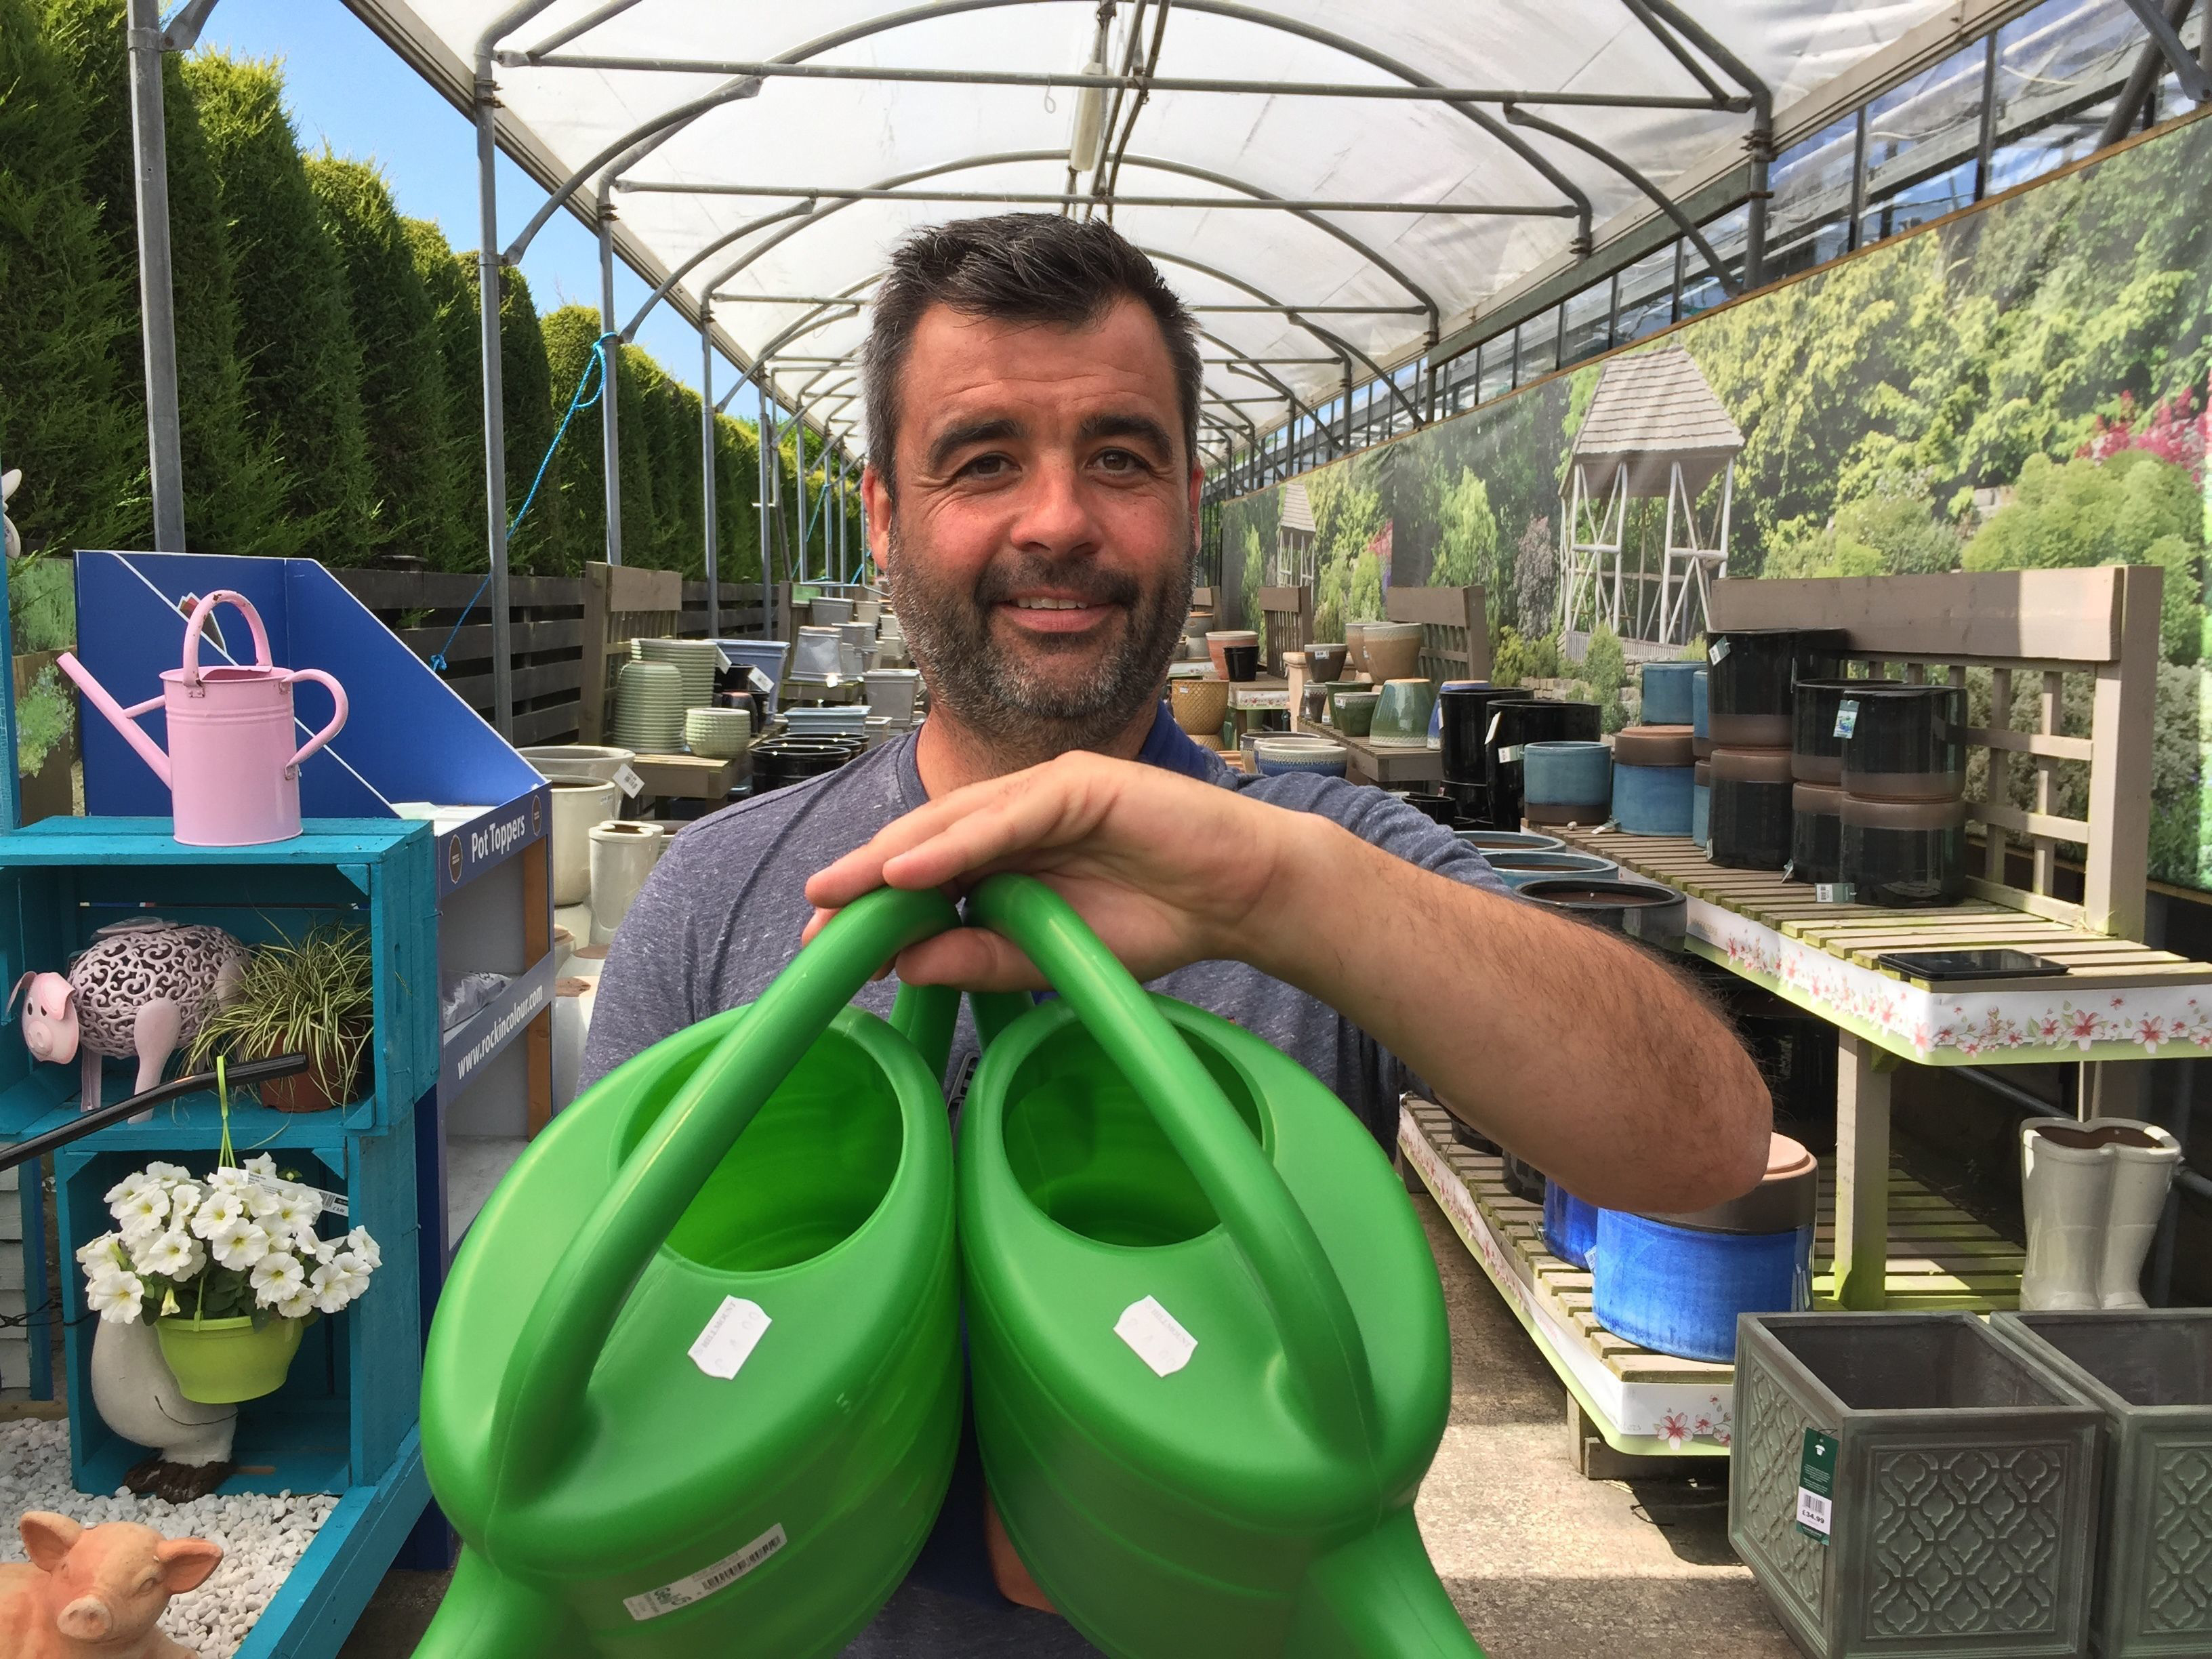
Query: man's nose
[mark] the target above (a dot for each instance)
(1055, 516)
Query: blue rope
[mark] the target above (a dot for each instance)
(577, 401)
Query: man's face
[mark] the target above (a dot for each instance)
(1040, 550)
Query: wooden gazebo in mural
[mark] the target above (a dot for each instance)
(1294, 536)
(1654, 429)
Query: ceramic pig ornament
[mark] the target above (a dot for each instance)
(98, 1592)
(9, 535)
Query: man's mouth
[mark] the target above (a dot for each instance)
(1055, 614)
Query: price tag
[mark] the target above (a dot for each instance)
(1155, 1337)
(333, 1203)
(1511, 753)
(1834, 892)
(1490, 736)
(722, 662)
(759, 682)
(1716, 651)
(1816, 1485)
(730, 1337)
(628, 780)
(1847, 717)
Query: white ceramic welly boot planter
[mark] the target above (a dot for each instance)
(2092, 1194)
(2144, 1158)
(137, 1396)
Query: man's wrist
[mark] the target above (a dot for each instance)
(1312, 858)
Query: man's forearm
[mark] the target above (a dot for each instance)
(1569, 1045)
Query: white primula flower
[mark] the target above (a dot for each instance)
(276, 1277)
(172, 1256)
(337, 1284)
(105, 1251)
(361, 1244)
(115, 1296)
(184, 1199)
(145, 1203)
(138, 1232)
(297, 1306)
(218, 1211)
(227, 1178)
(239, 1243)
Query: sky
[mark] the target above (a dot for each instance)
(345, 88)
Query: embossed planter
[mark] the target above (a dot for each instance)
(1966, 1494)
(2149, 1371)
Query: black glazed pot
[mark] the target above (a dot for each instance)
(1749, 813)
(1440, 808)
(1644, 911)
(780, 761)
(1473, 799)
(1906, 741)
(1751, 682)
(1816, 833)
(1515, 723)
(1465, 715)
(1816, 753)
(1905, 854)
(1242, 662)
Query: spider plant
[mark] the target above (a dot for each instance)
(313, 995)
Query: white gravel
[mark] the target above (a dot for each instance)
(261, 1537)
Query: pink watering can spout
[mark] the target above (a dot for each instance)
(231, 768)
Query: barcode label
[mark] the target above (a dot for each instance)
(1834, 892)
(333, 1203)
(1847, 717)
(1490, 736)
(699, 1585)
(721, 660)
(1718, 650)
(759, 682)
(1814, 1512)
(628, 780)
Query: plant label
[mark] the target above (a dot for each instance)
(333, 1203)
(1816, 1485)
(730, 1337)
(1834, 892)
(722, 663)
(1847, 717)
(1718, 651)
(1155, 1337)
(759, 682)
(628, 781)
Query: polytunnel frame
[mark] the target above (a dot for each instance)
(1662, 19)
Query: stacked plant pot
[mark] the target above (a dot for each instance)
(1751, 682)
(1816, 769)
(1514, 724)
(1654, 779)
(1566, 780)
(1463, 713)
(1903, 810)
(1701, 770)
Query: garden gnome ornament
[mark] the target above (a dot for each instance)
(13, 538)
(98, 1591)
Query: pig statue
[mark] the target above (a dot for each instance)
(142, 988)
(98, 1591)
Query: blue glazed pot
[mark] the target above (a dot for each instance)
(1272, 757)
(1668, 699)
(1698, 682)
(1701, 813)
(1652, 800)
(1567, 773)
(1678, 1290)
(1488, 842)
(1570, 1225)
(1518, 869)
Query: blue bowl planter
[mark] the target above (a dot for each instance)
(1567, 781)
(1276, 756)
(1509, 841)
(1667, 692)
(1517, 870)
(1676, 1284)
(1652, 780)
(1570, 1225)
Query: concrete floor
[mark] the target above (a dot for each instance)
(1542, 1563)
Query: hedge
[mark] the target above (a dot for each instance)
(330, 385)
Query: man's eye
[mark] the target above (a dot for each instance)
(985, 466)
(1121, 460)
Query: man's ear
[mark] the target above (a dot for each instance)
(875, 499)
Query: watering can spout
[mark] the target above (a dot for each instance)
(124, 720)
(487, 1615)
(1377, 1597)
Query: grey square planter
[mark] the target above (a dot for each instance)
(2149, 1371)
(1965, 1487)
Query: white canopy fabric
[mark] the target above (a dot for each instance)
(1422, 272)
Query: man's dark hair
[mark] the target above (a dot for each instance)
(1016, 268)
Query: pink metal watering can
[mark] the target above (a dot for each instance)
(233, 774)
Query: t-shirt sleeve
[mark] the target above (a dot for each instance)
(647, 988)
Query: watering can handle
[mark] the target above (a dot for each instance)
(337, 720)
(576, 1311)
(1326, 1354)
(196, 625)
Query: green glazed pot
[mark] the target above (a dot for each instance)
(219, 1362)
(1353, 713)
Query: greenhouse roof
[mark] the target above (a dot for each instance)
(1332, 187)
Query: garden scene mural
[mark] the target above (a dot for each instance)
(2023, 386)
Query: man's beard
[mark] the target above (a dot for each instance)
(1026, 713)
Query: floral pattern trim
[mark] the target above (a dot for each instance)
(1978, 1025)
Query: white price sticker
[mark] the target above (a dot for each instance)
(759, 682)
(333, 1203)
(1719, 650)
(703, 1584)
(730, 1337)
(1490, 736)
(1834, 892)
(722, 663)
(1814, 1513)
(628, 780)
(1154, 1336)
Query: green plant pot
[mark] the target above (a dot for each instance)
(218, 1362)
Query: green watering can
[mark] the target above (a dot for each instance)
(1199, 1443)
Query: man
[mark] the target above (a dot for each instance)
(1032, 497)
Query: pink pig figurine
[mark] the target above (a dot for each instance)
(96, 1592)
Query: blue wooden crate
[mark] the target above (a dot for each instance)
(62, 879)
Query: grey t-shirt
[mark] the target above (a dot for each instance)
(722, 914)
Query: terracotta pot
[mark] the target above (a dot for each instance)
(1218, 640)
(315, 1089)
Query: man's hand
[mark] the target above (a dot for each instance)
(1165, 870)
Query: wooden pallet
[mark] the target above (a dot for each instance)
(1941, 1258)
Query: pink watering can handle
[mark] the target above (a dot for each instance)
(338, 696)
(196, 624)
